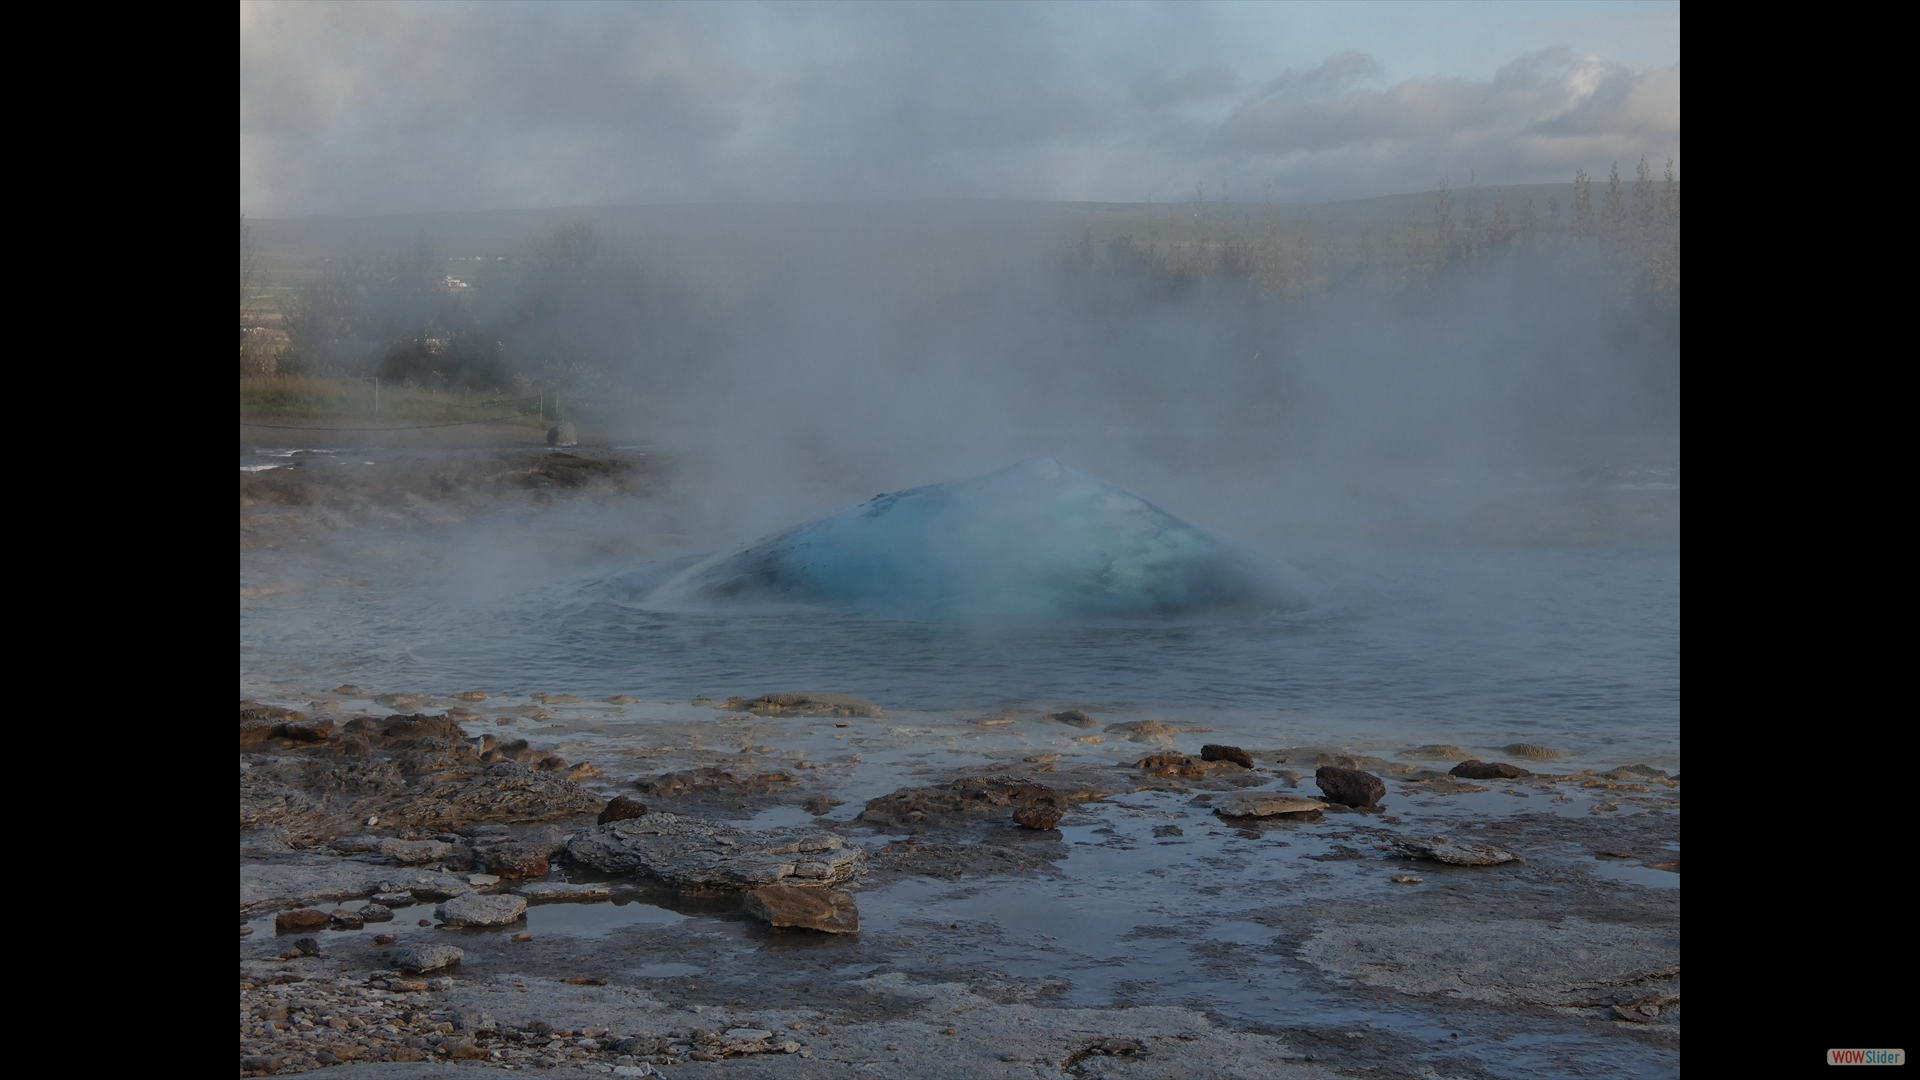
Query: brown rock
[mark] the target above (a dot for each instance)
(809, 703)
(303, 919)
(1073, 717)
(622, 808)
(1038, 816)
(307, 730)
(972, 794)
(464, 1050)
(1220, 752)
(408, 1053)
(1475, 769)
(827, 910)
(518, 860)
(1349, 787)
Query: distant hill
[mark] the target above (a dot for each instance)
(721, 243)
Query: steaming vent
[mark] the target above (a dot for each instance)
(1037, 540)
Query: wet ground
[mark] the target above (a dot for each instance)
(1293, 930)
(1145, 936)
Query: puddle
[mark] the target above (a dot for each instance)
(1638, 875)
(597, 920)
(665, 971)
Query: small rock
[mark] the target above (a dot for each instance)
(1038, 816)
(1221, 752)
(408, 1053)
(622, 808)
(384, 939)
(470, 695)
(1439, 751)
(375, 913)
(465, 1050)
(308, 731)
(440, 986)
(520, 860)
(413, 852)
(483, 879)
(1406, 879)
(1457, 852)
(1349, 787)
(1475, 769)
(1531, 751)
(523, 936)
(417, 958)
(1168, 830)
(475, 909)
(394, 899)
(303, 919)
(306, 946)
(812, 909)
(748, 1034)
(1265, 804)
(1073, 717)
(564, 892)
(820, 805)
(352, 920)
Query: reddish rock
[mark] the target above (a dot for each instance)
(307, 730)
(303, 919)
(1483, 770)
(1038, 816)
(518, 860)
(1219, 752)
(408, 1053)
(1349, 787)
(464, 1050)
(622, 808)
(827, 910)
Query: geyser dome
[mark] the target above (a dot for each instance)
(1038, 540)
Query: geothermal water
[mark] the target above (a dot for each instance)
(1572, 647)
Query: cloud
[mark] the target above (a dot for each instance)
(388, 108)
(1546, 108)
(1155, 90)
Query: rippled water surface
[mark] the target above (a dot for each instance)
(1567, 646)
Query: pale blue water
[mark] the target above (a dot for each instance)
(1574, 647)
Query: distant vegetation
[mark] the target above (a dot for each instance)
(586, 316)
(1633, 224)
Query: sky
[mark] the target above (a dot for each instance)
(379, 108)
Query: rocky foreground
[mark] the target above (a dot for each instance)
(706, 904)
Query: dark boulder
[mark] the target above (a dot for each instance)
(1349, 787)
(1484, 770)
(1219, 752)
(622, 808)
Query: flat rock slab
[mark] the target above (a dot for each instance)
(478, 909)
(1494, 960)
(552, 892)
(827, 910)
(698, 854)
(1457, 852)
(804, 703)
(300, 879)
(419, 958)
(1265, 804)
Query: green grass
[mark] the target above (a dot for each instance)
(298, 398)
